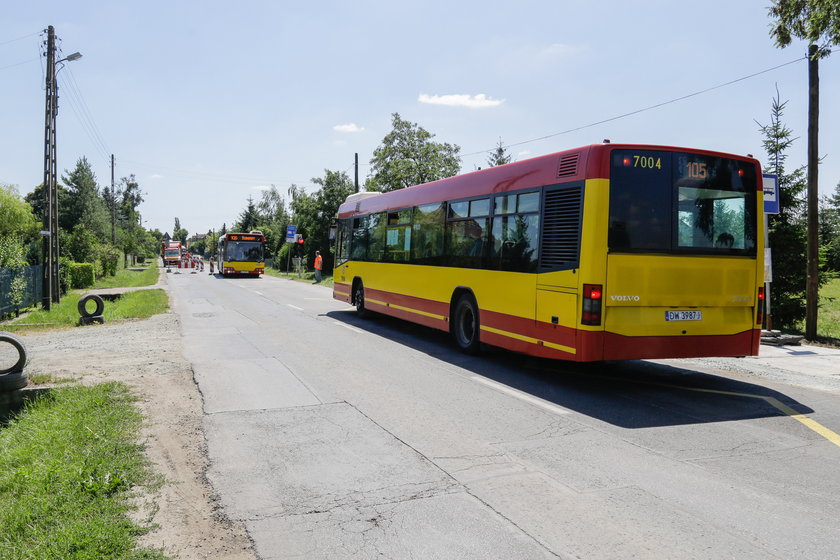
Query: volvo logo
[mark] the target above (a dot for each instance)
(625, 298)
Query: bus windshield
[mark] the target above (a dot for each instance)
(679, 202)
(244, 251)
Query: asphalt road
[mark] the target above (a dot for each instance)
(331, 436)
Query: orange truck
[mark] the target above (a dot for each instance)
(171, 252)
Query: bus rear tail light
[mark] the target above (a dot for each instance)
(592, 297)
(759, 314)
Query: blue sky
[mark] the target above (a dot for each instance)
(207, 103)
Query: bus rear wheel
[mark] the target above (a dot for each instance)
(359, 300)
(465, 326)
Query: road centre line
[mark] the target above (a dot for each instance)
(545, 405)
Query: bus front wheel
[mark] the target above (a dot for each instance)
(465, 327)
(359, 300)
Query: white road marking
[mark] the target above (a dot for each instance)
(545, 405)
(295, 307)
(258, 292)
(354, 329)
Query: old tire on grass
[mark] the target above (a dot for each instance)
(100, 306)
(13, 381)
(20, 347)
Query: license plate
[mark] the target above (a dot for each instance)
(683, 315)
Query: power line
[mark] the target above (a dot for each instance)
(215, 177)
(19, 63)
(637, 111)
(21, 38)
(83, 113)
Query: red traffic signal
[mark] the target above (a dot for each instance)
(300, 241)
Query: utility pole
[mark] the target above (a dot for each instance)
(357, 172)
(51, 288)
(813, 282)
(113, 206)
(50, 217)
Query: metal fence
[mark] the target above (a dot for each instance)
(33, 288)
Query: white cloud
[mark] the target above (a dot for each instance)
(479, 101)
(350, 127)
(261, 188)
(523, 153)
(156, 176)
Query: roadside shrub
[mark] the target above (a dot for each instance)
(64, 279)
(82, 275)
(110, 258)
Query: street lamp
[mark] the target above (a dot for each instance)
(51, 288)
(70, 58)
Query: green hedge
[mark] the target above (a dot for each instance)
(82, 275)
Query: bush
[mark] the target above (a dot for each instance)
(64, 280)
(110, 258)
(82, 275)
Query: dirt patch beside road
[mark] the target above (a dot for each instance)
(147, 356)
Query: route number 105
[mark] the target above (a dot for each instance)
(696, 170)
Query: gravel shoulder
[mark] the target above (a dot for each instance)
(147, 355)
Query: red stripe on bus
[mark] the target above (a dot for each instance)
(619, 347)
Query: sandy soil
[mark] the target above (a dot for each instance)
(147, 356)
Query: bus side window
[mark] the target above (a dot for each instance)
(359, 241)
(345, 231)
(427, 234)
(377, 224)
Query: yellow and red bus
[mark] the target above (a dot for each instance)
(605, 252)
(241, 253)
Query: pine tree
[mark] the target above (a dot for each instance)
(787, 228)
(499, 156)
(249, 218)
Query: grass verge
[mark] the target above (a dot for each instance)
(828, 317)
(68, 464)
(306, 277)
(131, 305)
(130, 278)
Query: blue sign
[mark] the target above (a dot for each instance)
(771, 193)
(290, 233)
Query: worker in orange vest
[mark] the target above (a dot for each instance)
(319, 262)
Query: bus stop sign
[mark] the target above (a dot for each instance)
(771, 193)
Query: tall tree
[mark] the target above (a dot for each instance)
(36, 201)
(84, 205)
(499, 155)
(408, 157)
(830, 230)
(336, 186)
(179, 233)
(133, 236)
(131, 196)
(787, 228)
(16, 216)
(248, 218)
(818, 23)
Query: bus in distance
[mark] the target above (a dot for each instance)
(241, 253)
(605, 252)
